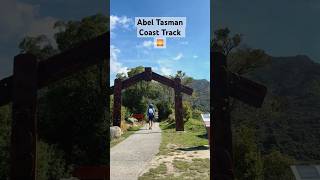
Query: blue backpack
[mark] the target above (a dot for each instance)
(150, 112)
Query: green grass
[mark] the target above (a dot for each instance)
(155, 173)
(125, 135)
(194, 135)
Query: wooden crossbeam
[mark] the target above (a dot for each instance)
(62, 65)
(148, 75)
(246, 90)
(132, 80)
(153, 76)
(163, 80)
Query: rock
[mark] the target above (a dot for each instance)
(132, 120)
(115, 132)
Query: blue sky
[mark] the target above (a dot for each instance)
(189, 54)
(280, 27)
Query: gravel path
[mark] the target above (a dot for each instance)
(130, 157)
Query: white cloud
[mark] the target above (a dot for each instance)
(123, 21)
(20, 19)
(147, 44)
(115, 65)
(166, 71)
(178, 57)
(195, 56)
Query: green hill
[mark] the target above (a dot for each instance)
(290, 118)
(201, 89)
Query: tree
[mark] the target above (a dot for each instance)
(74, 106)
(247, 157)
(71, 33)
(40, 46)
(138, 96)
(246, 60)
(222, 42)
(185, 80)
(277, 166)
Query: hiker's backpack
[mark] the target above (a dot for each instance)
(150, 112)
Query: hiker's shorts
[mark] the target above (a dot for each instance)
(150, 118)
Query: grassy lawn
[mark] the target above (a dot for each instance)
(194, 135)
(126, 134)
(172, 146)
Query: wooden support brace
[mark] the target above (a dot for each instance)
(178, 105)
(24, 123)
(148, 74)
(221, 138)
(117, 103)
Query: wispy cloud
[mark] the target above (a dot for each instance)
(178, 57)
(145, 44)
(115, 65)
(19, 19)
(117, 21)
(122, 22)
(195, 56)
(166, 71)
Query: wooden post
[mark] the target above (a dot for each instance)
(117, 102)
(178, 104)
(148, 73)
(24, 123)
(221, 139)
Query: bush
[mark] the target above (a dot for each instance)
(125, 113)
(247, 157)
(196, 114)
(277, 166)
(187, 110)
(124, 126)
(50, 163)
(75, 108)
(164, 109)
(172, 117)
(5, 131)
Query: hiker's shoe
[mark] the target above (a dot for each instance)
(150, 128)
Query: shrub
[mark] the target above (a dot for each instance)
(277, 166)
(196, 114)
(124, 126)
(164, 109)
(5, 129)
(75, 108)
(187, 110)
(247, 157)
(50, 162)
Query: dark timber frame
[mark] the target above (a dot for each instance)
(148, 75)
(21, 88)
(225, 84)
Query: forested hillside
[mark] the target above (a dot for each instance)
(290, 118)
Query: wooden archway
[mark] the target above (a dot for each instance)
(148, 75)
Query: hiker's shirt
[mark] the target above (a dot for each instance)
(154, 111)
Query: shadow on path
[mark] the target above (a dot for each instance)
(194, 148)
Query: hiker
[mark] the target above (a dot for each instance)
(150, 113)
